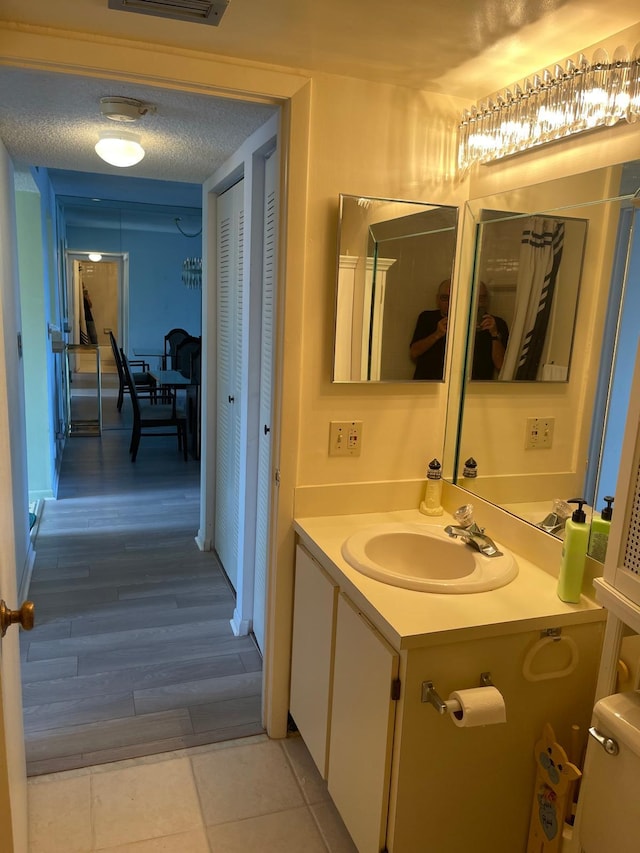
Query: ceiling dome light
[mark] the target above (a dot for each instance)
(119, 148)
(96, 257)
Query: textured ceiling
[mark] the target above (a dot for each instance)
(461, 47)
(53, 120)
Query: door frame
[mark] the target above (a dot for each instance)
(110, 58)
(71, 302)
(14, 521)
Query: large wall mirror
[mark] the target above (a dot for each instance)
(393, 257)
(538, 442)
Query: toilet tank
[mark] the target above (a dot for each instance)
(610, 816)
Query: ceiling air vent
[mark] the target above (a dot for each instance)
(197, 11)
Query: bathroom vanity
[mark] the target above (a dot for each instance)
(405, 778)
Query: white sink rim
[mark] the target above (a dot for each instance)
(481, 573)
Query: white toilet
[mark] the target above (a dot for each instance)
(610, 814)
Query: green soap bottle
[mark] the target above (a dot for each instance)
(600, 529)
(574, 554)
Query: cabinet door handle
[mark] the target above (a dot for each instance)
(267, 429)
(231, 399)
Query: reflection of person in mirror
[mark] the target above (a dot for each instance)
(492, 334)
(88, 317)
(430, 336)
(428, 344)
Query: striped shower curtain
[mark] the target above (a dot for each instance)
(540, 257)
(84, 334)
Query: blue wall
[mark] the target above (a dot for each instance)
(622, 377)
(158, 301)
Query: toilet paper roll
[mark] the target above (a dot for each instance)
(478, 706)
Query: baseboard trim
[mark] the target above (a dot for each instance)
(239, 626)
(203, 543)
(23, 592)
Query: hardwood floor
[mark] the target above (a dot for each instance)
(132, 652)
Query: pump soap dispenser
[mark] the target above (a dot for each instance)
(432, 503)
(574, 554)
(600, 528)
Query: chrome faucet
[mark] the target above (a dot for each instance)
(470, 533)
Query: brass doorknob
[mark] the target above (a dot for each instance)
(25, 616)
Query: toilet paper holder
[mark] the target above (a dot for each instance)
(430, 694)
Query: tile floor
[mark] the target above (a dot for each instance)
(253, 795)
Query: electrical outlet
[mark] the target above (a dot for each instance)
(345, 438)
(539, 433)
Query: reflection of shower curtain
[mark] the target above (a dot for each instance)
(540, 257)
(88, 334)
(84, 334)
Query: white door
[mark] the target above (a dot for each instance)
(263, 491)
(14, 527)
(13, 780)
(230, 319)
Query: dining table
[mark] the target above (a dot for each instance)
(175, 381)
(147, 353)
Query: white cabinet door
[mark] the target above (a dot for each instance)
(230, 235)
(362, 720)
(314, 613)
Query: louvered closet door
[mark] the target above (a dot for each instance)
(266, 383)
(230, 226)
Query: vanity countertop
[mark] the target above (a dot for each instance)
(409, 619)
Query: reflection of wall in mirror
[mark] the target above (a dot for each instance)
(622, 375)
(493, 428)
(412, 287)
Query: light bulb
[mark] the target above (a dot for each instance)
(119, 148)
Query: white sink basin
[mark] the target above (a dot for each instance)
(423, 557)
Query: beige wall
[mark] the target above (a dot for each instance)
(371, 140)
(583, 153)
(344, 136)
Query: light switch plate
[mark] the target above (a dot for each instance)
(539, 433)
(345, 438)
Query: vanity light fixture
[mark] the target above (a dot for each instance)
(572, 98)
(96, 257)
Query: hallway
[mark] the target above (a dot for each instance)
(132, 653)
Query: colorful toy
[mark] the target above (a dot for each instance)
(555, 777)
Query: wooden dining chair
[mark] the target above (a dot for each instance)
(171, 341)
(186, 350)
(143, 381)
(149, 416)
(187, 361)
